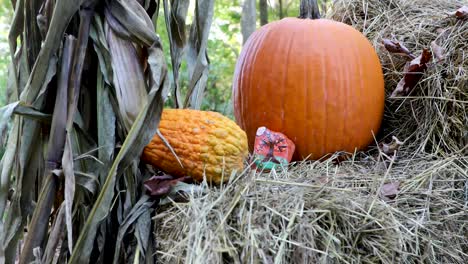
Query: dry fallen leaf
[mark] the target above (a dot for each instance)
(397, 48)
(180, 191)
(438, 51)
(392, 146)
(414, 71)
(441, 30)
(389, 190)
(162, 185)
(461, 13)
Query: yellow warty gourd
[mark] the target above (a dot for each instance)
(207, 143)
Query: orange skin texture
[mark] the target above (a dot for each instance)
(206, 143)
(319, 82)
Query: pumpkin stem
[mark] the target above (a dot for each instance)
(309, 9)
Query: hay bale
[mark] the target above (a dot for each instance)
(292, 217)
(434, 117)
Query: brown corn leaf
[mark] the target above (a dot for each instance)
(390, 190)
(143, 129)
(392, 146)
(70, 182)
(176, 21)
(438, 51)
(397, 48)
(128, 76)
(175, 25)
(5, 114)
(414, 71)
(56, 235)
(62, 15)
(116, 26)
(106, 126)
(140, 208)
(32, 113)
(461, 13)
(162, 185)
(54, 154)
(44, 16)
(197, 55)
(133, 22)
(86, 13)
(143, 233)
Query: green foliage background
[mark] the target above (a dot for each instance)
(225, 43)
(224, 46)
(5, 18)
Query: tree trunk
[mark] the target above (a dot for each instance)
(263, 6)
(280, 11)
(248, 20)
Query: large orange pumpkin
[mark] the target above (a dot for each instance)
(318, 81)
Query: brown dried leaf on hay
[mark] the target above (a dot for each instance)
(162, 185)
(438, 51)
(392, 146)
(390, 190)
(461, 13)
(397, 48)
(414, 71)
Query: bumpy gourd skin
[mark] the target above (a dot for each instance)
(205, 142)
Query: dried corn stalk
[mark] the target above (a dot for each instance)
(88, 82)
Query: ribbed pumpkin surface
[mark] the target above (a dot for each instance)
(319, 82)
(205, 142)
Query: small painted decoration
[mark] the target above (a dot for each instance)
(271, 149)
